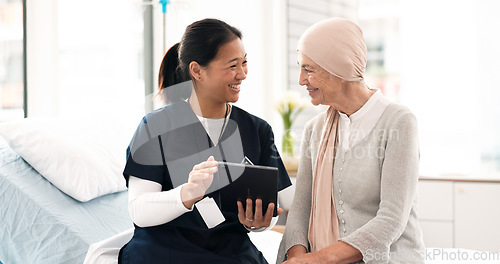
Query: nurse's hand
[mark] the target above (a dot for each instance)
(256, 220)
(200, 178)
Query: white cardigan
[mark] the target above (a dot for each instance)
(375, 185)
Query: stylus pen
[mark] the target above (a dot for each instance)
(225, 164)
(247, 161)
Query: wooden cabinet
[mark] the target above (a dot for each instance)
(460, 214)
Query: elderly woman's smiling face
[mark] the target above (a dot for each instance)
(321, 85)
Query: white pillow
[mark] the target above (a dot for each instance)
(85, 160)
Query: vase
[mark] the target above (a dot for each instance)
(288, 143)
(291, 165)
(290, 161)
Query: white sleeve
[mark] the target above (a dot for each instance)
(149, 206)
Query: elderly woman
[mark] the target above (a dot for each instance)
(355, 198)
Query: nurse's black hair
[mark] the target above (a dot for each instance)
(201, 42)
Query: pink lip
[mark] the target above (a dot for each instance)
(311, 91)
(237, 90)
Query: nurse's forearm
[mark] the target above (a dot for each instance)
(149, 206)
(186, 199)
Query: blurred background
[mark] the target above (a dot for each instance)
(441, 58)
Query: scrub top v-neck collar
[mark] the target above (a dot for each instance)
(224, 133)
(215, 127)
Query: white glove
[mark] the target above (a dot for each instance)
(200, 179)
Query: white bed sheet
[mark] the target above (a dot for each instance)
(106, 251)
(41, 224)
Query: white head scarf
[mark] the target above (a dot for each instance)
(338, 46)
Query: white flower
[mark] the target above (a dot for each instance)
(290, 106)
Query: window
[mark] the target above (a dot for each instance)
(441, 59)
(85, 59)
(88, 59)
(11, 60)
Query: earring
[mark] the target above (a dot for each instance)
(199, 78)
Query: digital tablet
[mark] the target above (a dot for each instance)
(248, 181)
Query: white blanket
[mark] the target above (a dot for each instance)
(106, 251)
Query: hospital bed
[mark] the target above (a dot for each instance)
(42, 224)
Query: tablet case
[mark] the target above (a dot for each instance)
(248, 181)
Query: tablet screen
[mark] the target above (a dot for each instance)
(248, 181)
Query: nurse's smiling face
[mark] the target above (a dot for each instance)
(222, 77)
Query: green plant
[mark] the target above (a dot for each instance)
(289, 108)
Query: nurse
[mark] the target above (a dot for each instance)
(171, 169)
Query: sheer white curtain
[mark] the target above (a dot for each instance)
(449, 78)
(85, 59)
(447, 59)
(11, 60)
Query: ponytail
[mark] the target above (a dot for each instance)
(170, 74)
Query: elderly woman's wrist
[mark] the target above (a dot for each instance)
(296, 250)
(327, 256)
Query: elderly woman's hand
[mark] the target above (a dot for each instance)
(338, 252)
(317, 257)
(256, 220)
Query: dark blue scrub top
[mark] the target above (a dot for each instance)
(166, 146)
